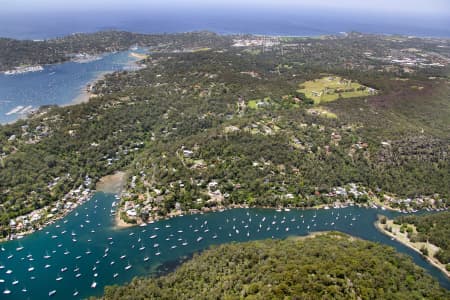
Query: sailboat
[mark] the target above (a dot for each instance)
(20, 248)
(46, 256)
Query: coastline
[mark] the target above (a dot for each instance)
(84, 94)
(120, 223)
(402, 238)
(108, 184)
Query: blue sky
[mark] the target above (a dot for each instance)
(405, 7)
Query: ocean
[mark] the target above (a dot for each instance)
(257, 21)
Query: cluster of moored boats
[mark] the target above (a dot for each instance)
(69, 246)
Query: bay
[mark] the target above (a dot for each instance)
(58, 84)
(87, 242)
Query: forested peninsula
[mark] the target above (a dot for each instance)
(325, 266)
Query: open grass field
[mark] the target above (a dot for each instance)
(332, 88)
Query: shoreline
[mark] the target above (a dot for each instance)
(120, 223)
(406, 242)
(84, 94)
(112, 183)
(225, 32)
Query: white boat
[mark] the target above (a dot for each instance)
(30, 269)
(146, 258)
(63, 269)
(75, 293)
(59, 278)
(6, 292)
(8, 271)
(127, 267)
(77, 275)
(51, 293)
(15, 282)
(199, 239)
(153, 236)
(123, 256)
(47, 266)
(24, 290)
(141, 248)
(115, 275)
(93, 284)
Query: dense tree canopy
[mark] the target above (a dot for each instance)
(334, 266)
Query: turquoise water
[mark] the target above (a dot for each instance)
(56, 84)
(86, 243)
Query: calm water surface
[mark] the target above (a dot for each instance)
(70, 255)
(56, 84)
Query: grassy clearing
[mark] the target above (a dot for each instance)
(201, 49)
(252, 51)
(259, 103)
(332, 88)
(321, 111)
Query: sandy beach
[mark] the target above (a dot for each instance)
(112, 183)
(84, 94)
(138, 55)
(402, 238)
(120, 224)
